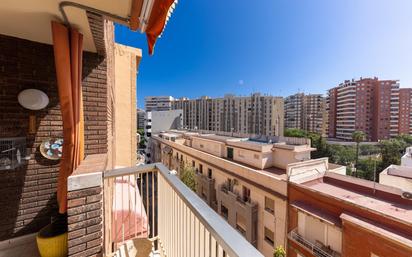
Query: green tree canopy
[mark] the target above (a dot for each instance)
(188, 176)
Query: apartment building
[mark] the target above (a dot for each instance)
(405, 111)
(335, 215)
(368, 104)
(158, 121)
(158, 103)
(255, 114)
(306, 112)
(140, 118)
(243, 179)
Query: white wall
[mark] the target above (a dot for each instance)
(209, 146)
(406, 160)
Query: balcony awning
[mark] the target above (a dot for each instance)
(317, 213)
(161, 12)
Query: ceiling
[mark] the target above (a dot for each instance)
(30, 19)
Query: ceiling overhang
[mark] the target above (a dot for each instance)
(30, 19)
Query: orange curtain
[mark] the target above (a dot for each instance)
(68, 51)
(157, 21)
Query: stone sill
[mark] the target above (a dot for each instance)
(89, 173)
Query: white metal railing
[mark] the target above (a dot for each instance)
(178, 222)
(313, 247)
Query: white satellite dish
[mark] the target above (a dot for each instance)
(33, 99)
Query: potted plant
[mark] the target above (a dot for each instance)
(279, 252)
(52, 239)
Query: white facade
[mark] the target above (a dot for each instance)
(399, 176)
(406, 159)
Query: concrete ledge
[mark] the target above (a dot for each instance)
(89, 173)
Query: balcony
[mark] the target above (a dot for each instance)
(205, 188)
(169, 214)
(317, 249)
(232, 207)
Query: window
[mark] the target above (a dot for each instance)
(224, 211)
(200, 168)
(246, 194)
(209, 173)
(229, 153)
(193, 164)
(269, 205)
(269, 236)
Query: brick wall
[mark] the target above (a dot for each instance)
(85, 222)
(95, 103)
(85, 207)
(28, 193)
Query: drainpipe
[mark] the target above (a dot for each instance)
(287, 211)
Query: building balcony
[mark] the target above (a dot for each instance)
(240, 214)
(315, 248)
(205, 188)
(171, 216)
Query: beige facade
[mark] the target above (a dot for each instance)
(126, 60)
(255, 114)
(244, 180)
(307, 112)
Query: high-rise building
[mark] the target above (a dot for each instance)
(255, 114)
(158, 103)
(306, 112)
(140, 118)
(368, 104)
(293, 111)
(405, 111)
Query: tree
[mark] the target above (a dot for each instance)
(392, 151)
(367, 168)
(357, 136)
(318, 142)
(188, 177)
(142, 143)
(339, 154)
(294, 132)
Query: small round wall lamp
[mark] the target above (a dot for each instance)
(33, 99)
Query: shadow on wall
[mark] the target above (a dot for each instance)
(28, 193)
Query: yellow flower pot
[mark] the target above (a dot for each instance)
(51, 246)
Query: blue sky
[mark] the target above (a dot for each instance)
(274, 47)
